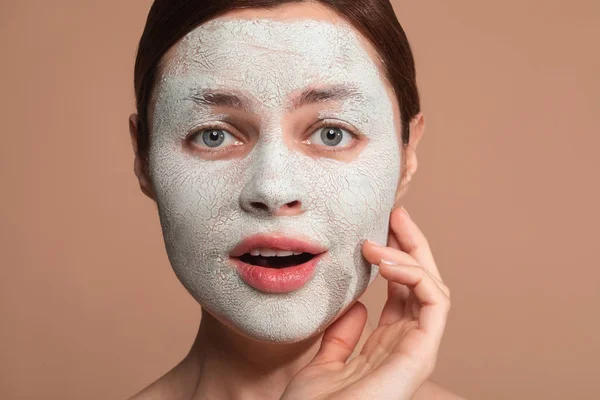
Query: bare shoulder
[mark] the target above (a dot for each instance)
(432, 391)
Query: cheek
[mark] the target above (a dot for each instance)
(186, 191)
(363, 192)
(194, 199)
(357, 199)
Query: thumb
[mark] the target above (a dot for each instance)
(342, 336)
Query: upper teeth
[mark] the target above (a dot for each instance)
(273, 253)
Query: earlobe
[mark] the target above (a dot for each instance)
(138, 167)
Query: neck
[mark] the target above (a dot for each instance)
(229, 365)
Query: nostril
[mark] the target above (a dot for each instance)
(292, 204)
(291, 208)
(259, 205)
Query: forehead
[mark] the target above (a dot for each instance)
(271, 58)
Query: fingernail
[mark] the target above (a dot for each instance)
(373, 243)
(388, 262)
(404, 209)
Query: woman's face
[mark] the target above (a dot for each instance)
(322, 167)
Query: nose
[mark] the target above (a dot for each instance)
(273, 189)
(275, 196)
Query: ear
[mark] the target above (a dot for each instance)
(417, 128)
(138, 164)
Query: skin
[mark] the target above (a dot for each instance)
(247, 346)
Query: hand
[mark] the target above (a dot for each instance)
(401, 353)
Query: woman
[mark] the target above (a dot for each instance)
(276, 138)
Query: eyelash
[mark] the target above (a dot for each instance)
(341, 125)
(329, 123)
(215, 126)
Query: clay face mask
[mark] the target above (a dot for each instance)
(201, 199)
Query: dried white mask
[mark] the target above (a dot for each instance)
(201, 199)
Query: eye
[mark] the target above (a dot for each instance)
(213, 138)
(331, 136)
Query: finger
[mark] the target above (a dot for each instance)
(340, 339)
(394, 308)
(375, 253)
(412, 240)
(397, 294)
(399, 303)
(392, 241)
(434, 302)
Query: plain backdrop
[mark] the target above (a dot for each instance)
(507, 192)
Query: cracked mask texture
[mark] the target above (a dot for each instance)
(199, 200)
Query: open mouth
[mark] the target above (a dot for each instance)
(278, 261)
(277, 251)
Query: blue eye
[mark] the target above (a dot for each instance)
(331, 136)
(213, 138)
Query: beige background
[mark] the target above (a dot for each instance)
(506, 191)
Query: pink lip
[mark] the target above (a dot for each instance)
(273, 280)
(277, 242)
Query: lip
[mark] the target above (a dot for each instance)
(273, 280)
(277, 242)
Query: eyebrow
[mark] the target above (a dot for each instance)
(228, 98)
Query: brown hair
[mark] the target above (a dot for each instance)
(170, 20)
